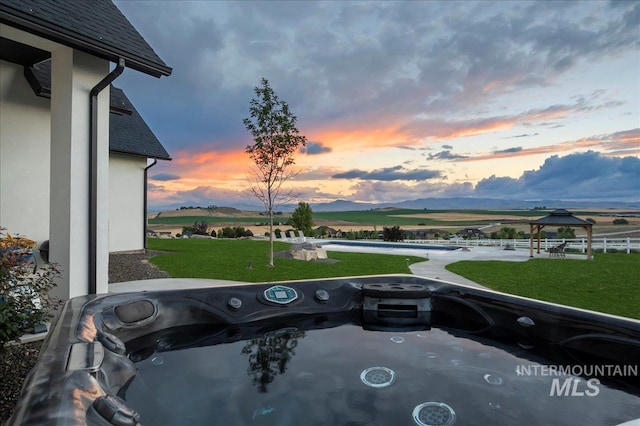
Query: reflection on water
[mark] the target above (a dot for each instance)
(268, 356)
(347, 375)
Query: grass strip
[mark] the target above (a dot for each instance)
(608, 283)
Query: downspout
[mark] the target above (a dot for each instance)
(93, 172)
(144, 205)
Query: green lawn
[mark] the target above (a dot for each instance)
(229, 260)
(608, 283)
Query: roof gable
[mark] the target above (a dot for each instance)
(128, 132)
(96, 27)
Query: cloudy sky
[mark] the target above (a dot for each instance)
(398, 100)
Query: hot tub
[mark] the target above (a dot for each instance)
(380, 350)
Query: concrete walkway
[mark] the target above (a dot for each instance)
(169, 284)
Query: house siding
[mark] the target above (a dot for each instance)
(25, 132)
(126, 210)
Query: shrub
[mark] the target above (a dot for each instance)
(361, 235)
(213, 233)
(506, 233)
(236, 232)
(24, 293)
(566, 232)
(620, 222)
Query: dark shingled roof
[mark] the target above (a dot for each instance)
(561, 217)
(128, 132)
(93, 26)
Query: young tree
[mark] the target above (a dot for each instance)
(276, 139)
(394, 233)
(302, 218)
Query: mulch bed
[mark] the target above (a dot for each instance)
(17, 360)
(15, 363)
(133, 267)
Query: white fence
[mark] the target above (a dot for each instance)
(604, 244)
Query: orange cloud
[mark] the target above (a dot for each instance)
(211, 165)
(371, 136)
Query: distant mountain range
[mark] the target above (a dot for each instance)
(452, 203)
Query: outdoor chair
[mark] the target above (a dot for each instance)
(557, 251)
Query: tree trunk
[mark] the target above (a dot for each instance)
(271, 238)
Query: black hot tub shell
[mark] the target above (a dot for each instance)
(100, 347)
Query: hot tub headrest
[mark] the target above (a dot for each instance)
(135, 311)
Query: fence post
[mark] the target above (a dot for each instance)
(604, 245)
(582, 244)
(628, 245)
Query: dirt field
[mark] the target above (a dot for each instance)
(216, 212)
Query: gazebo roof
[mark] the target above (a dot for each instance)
(561, 217)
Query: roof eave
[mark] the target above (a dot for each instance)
(59, 35)
(131, 154)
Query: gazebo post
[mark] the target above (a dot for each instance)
(539, 232)
(530, 240)
(589, 232)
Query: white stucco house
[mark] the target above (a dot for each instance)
(73, 149)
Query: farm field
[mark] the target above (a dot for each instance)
(489, 220)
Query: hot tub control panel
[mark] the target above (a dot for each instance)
(280, 294)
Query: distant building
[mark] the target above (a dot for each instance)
(326, 231)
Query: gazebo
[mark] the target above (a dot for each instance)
(559, 217)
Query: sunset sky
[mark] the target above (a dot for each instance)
(398, 100)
